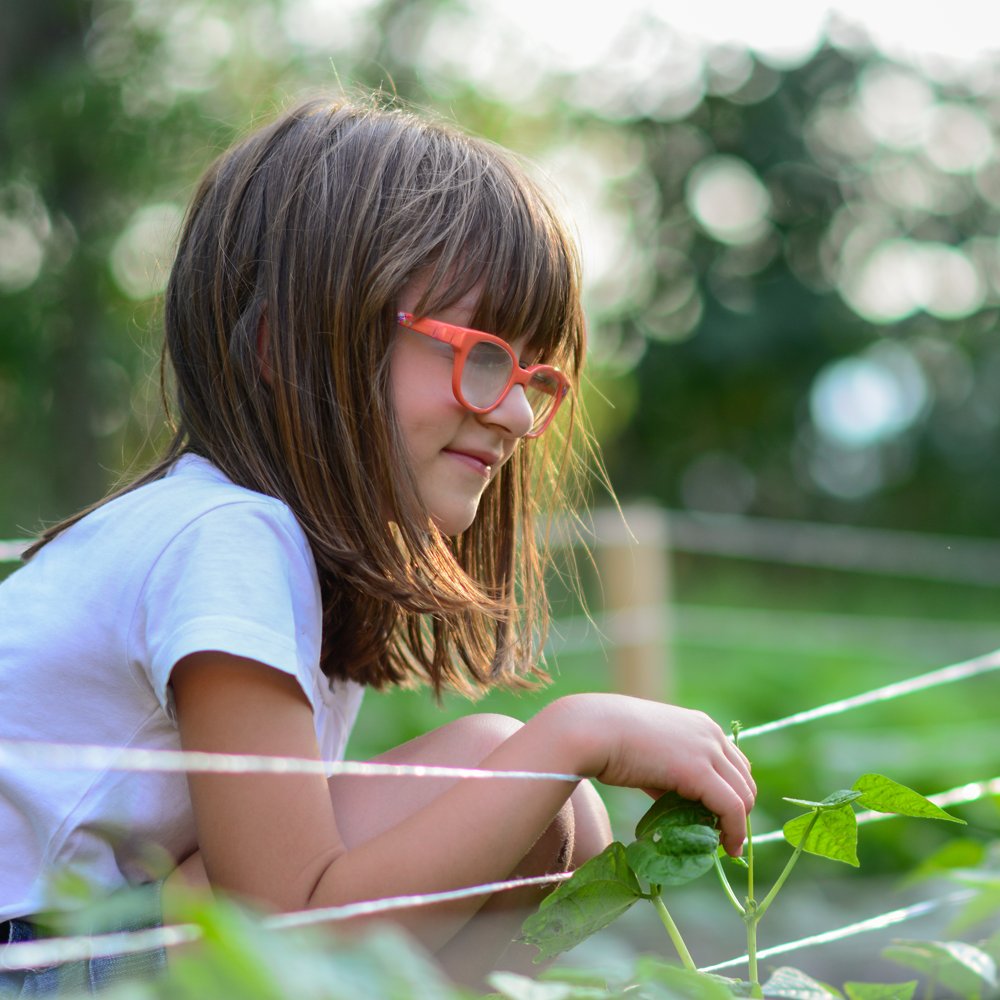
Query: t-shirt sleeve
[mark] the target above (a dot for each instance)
(239, 579)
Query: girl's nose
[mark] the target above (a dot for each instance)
(513, 416)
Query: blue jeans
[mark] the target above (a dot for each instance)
(85, 976)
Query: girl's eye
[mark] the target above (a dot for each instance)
(525, 358)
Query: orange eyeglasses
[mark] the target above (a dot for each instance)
(485, 369)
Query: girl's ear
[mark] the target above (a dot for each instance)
(264, 349)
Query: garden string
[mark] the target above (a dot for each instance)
(57, 950)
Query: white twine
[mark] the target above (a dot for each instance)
(89, 757)
(371, 907)
(54, 951)
(850, 930)
(945, 675)
(65, 756)
(34, 954)
(86, 757)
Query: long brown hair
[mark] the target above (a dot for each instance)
(314, 224)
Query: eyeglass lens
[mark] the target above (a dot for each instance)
(486, 373)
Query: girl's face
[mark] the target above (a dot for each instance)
(454, 453)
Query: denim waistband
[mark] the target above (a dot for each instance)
(86, 976)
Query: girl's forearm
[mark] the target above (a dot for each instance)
(477, 831)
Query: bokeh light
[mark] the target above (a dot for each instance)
(140, 258)
(728, 199)
(870, 398)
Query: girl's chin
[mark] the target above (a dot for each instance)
(453, 523)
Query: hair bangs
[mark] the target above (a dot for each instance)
(505, 244)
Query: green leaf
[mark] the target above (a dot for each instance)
(796, 985)
(517, 987)
(683, 983)
(834, 799)
(885, 795)
(671, 810)
(834, 834)
(598, 893)
(881, 991)
(740, 862)
(982, 906)
(958, 966)
(676, 841)
(959, 853)
(680, 854)
(992, 945)
(574, 975)
(239, 957)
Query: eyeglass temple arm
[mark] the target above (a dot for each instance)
(439, 331)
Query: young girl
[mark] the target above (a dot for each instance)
(373, 321)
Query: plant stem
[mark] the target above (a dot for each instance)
(750, 918)
(753, 912)
(675, 935)
(787, 870)
(727, 887)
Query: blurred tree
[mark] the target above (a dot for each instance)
(793, 273)
(110, 110)
(811, 325)
(52, 173)
(78, 162)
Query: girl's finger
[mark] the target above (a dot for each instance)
(724, 801)
(741, 762)
(739, 782)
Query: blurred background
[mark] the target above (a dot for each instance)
(790, 221)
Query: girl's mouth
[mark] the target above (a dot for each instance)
(477, 462)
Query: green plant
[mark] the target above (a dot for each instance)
(676, 841)
(236, 955)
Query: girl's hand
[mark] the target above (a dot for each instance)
(658, 748)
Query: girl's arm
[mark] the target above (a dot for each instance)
(274, 838)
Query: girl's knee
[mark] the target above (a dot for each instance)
(482, 732)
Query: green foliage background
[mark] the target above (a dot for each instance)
(707, 340)
(707, 344)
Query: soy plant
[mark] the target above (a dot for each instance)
(677, 841)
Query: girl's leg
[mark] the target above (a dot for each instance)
(479, 930)
(485, 926)
(488, 940)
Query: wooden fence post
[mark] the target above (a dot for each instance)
(632, 556)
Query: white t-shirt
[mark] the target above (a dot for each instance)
(90, 630)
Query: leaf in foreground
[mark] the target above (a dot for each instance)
(958, 853)
(680, 854)
(834, 799)
(834, 834)
(796, 985)
(671, 810)
(885, 795)
(599, 892)
(881, 991)
(514, 986)
(958, 966)
(983, 905)
(687, 985)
